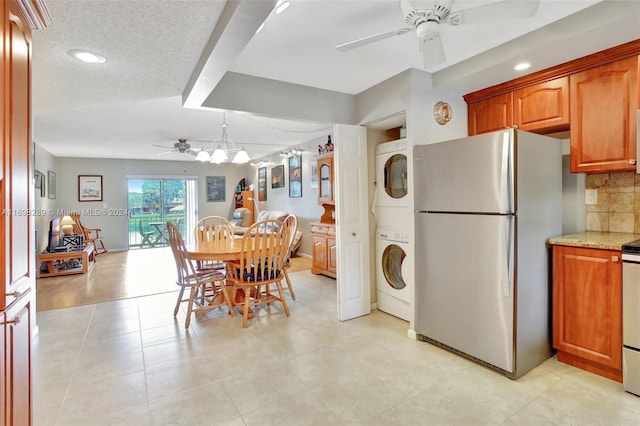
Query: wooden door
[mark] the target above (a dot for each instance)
(587, 309)
(17, 263)
(604, 104)
(543, 107)
(491, 114)
(352, 224)
(17, 344)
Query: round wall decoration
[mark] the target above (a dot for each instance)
(442, 112)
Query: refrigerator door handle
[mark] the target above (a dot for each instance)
(506, 175)
(509, 245)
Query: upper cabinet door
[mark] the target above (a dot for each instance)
(325, 179)
(491, 114)
(604, 101)
(543, 107)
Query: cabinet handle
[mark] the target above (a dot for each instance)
(614, 259)
(632, 161)
(14, 321)
(15, 294)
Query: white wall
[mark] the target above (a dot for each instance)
(115, 172)
(114, 177)
(306, 208)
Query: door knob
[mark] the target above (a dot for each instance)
(353, 234)
(632, 161)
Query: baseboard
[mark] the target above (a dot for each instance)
(304, 255)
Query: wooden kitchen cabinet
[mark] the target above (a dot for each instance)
(495, 113)
(542, 107)
(604, 104)
(587, 309)
(324, 260)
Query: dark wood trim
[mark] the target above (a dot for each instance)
(613, 54)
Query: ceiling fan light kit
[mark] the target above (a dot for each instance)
(425, 23)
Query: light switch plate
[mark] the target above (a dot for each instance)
(591, 197)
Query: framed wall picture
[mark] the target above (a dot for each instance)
(40, 183)
(295, 176)
(262, 184)
(51, 177)
(277, 176)
(215, 188)
(89, 187)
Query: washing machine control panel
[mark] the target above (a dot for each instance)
(393, 235)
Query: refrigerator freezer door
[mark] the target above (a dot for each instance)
(464, 284)
(473, 174)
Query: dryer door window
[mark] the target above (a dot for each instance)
(395, 176)
(392, 259)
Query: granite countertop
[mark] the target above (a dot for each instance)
(593, 239)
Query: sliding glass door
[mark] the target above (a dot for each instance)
(155, 200)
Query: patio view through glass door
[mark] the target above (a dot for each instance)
(153, 202)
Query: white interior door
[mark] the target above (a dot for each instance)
(352, 230)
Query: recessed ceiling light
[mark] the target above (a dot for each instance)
(87, 56)
(522, 66)
(281, 6)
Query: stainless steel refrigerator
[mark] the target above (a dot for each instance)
(484, 207)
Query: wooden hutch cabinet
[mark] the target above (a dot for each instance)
(323, 233)
(17, 268)
(587, 309)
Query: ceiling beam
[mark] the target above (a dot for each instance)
(239, 21)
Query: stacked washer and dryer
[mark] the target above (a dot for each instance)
(394, 251)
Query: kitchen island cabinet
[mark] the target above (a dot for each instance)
(587, 308)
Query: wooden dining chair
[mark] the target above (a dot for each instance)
(261, 263)
(206, 288)
(217, 230)
(290, 222)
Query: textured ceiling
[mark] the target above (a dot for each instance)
(120, 109)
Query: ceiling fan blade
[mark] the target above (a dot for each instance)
(370, 39)
(165, 152)
(163, 146)
(405, 6)
(499, 11)
(432, 50)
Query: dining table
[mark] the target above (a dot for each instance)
(225, 250)
(160, 237)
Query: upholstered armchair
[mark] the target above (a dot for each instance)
(241, 217)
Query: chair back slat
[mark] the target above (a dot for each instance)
(184, 264)
(263, 251)
(215, 229)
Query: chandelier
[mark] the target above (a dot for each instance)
(224, 149)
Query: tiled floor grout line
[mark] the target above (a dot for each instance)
(75, 364)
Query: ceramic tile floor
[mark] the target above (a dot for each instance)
(130, 363)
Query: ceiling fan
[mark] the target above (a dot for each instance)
(425, 23)
(182, 146)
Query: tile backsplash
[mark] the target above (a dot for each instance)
(618, 204)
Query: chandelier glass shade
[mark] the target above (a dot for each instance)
(222, 149)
